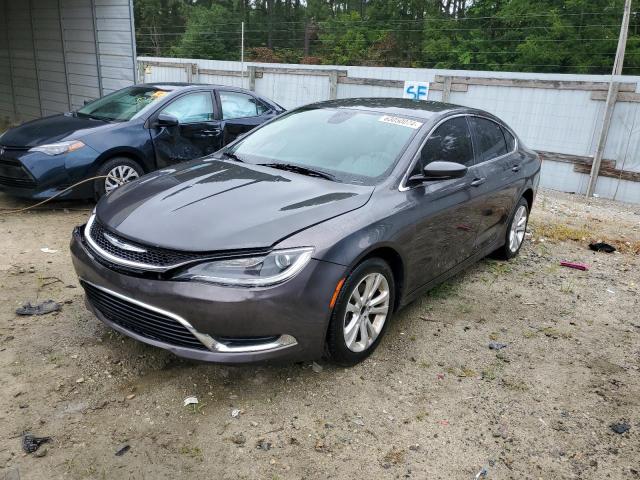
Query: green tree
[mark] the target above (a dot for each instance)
(211, 33)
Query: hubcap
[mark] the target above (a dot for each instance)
(118, 176)
(518, 228)
(366, 312)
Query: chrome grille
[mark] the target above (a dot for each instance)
(150, 256)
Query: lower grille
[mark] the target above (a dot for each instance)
(17, 182)
(141, 320)
(13, 174)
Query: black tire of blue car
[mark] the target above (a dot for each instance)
(506, 252)
(124, 164)
(337, 348)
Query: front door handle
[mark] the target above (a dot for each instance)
(515, 168)
(477, 182)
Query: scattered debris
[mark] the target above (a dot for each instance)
(316, 367)
(497, 346)
(31, 443)
(238, 438)
(576, 265)
(358, 421)
(123, 449)
(41, 453)
(48, 306)
(190, 401)
(481, 474)
(262, 444)
(131, 396)
(621, 427)
(80, 380)
(602, 247)
(235, 413)
(48, 250)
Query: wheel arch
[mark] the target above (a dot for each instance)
(130, 153)
(528, 196)
(395, 261)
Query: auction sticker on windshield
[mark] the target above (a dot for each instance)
(403, 122)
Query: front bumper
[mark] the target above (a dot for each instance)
(296, 310)
(39, 176)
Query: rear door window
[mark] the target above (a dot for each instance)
(511, 141)
(239, 105)
(490, 142)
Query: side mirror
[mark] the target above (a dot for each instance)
(167, 120)
(444, 170)
(439, 171)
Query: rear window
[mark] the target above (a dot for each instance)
(490, 142)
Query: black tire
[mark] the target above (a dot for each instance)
(336, 343)
(506, 252)
(100, 185)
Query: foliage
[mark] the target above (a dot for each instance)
(578, 36)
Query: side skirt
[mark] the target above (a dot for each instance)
(420, 291)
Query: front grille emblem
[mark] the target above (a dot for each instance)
(124, 246)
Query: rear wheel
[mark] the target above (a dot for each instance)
(514, 237)
(118, 171)
(362, 312)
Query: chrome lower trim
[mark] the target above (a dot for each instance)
(283, 341)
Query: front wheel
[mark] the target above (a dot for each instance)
(514, 237)
(361, 314)
(117, 171)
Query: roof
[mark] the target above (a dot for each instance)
(395, 106)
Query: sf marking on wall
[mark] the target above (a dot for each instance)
(415, 90)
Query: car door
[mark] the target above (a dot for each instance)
(240, 113)
(198, 133)
(497, 162)
(446, 211)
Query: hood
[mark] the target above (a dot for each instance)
(213, 205)
(49, 130)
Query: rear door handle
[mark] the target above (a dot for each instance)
(477, 182)
(515, 168)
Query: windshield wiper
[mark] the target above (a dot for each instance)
(93, 117)
(289, 167)
(232, 156)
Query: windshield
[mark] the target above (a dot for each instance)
(353, 146)
(122, 105)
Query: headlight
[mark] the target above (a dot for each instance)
(261, 271)
(58, 148)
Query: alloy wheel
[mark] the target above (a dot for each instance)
(119, 175)
(366, 312)
(518, 228)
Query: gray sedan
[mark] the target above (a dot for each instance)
(305, 236)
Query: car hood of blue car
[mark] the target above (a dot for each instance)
(52, 129)
(213, 205)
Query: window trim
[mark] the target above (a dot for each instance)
(268, 110)
(403, 188)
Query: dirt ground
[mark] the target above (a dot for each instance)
(433, 402)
